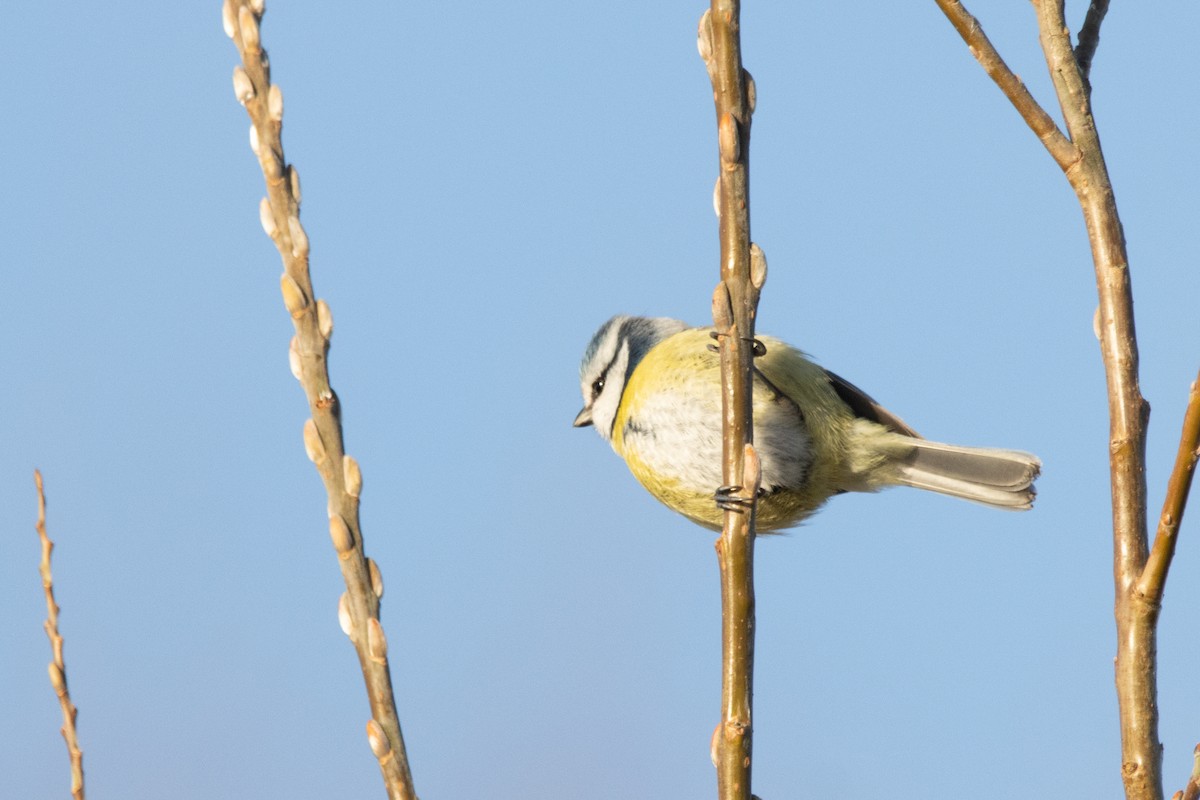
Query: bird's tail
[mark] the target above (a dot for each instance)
(999, 478)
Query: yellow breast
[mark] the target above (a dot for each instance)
(668, 430)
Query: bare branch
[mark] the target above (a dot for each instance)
(1089, 37)
(280, 215)
(1192, 790)
(1056, 143)
(1154, 576)
(1136, 662)
(58, 667)
(1082, 161)
(735, 304)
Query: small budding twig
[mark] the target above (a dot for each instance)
(1192, 790)
(1089, 36)
(58, 667)
(735, 305)
(279, 211)
(1154, 577)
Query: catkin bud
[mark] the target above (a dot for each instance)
(352, 476)
(294, 358)
(376, 641)
(722, 307)
(314, 448)
(56, 677)
(751, 469)
(717, 197)
(275, 102)
(299, 238)
(377, 739)
(344, 620)
(751, 91)
(228, 20)
(294, 182)
(758, 266)
(704, 36)
(324, 320)
(249, 28)
(243, 89)
(254, 138)
(339, 531)
(258, 6)
(376, 577)
(266, 217)
(728, 141)
(293, 296)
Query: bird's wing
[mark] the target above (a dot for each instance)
(863, 405)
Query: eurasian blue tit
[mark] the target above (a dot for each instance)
(652, 388)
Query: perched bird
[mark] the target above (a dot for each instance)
(652, 388)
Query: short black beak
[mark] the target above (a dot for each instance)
(583, 418)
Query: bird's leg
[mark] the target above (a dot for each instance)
(757, 346)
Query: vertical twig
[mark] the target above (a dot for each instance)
(1083, 164)
(58, 667)
(735, 304)
(1137, 657)
(358, 610)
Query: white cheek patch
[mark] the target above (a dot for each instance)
(604, 410)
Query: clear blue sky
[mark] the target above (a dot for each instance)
(484, 184)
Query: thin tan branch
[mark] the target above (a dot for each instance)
(58, 667)
(1192, 790)
(1057, 144)
(280, 214)
(1082, 161)
(1089, 36)
(735, 304)
(1154, 576)
(1136, 662)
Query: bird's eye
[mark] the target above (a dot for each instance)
(597, 386)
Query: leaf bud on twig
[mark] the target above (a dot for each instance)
(344, 621)
(299, 237)
(704, 36)
(377, 739)
(376, 641)
(267, 217)
(314, 448)
(758, 266)
(294, 358)
(228, 20)
(324, 320)
(293, 296)
(243, 89)
(376, 577)
(339, 532)
(249, 28)
(275, 102)
(56, 678)
(728, 142)
(351, 476)
(294, 182)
